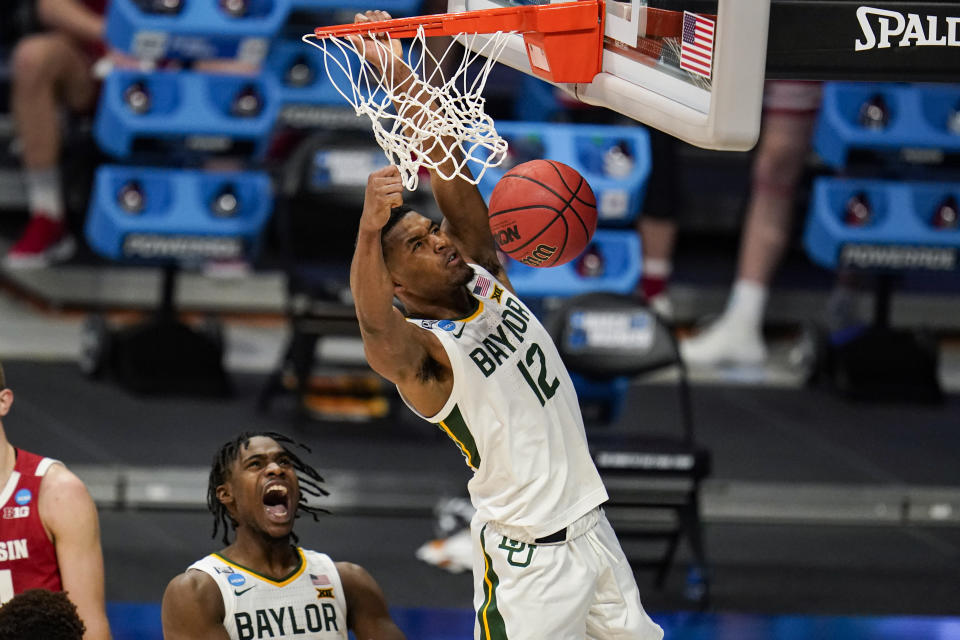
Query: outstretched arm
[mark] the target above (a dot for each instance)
(395, 348)
(466, 221)
(367, 614)
(464, 211)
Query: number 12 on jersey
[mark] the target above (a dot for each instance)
(541, 388)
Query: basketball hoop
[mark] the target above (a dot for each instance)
(437, 122)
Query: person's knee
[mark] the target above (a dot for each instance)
(35, 60)
(779, 162)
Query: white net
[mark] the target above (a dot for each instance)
(435, 119)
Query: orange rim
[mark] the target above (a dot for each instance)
(551, 18)
(563, 41)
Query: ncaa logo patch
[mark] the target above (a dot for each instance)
(23, 497)
(236, 579)
(447, 325)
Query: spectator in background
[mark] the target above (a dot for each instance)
(736, 337)
(39, 613)
(657, 224)
(789, 115)
(52, 71)
(49, 531)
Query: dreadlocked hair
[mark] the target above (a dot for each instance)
(308, 477)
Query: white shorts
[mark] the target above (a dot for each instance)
(582, 588)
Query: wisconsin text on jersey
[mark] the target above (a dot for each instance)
(14, 549)
(275, 623)
(514, 319)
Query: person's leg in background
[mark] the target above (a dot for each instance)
(790, 110)
(658, 237)
(50, 71)
(657, 224)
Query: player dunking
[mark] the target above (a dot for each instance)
(472, 358)
(49, 530)
(262, 586)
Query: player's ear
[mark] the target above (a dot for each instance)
(6, 401)
(225, 495)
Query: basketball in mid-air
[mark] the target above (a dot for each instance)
(542, 213)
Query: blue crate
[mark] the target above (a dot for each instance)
(900, 237)
(188, 112)
(621, 252)
(176, 223)
(201, 30)
(918, 119)
(320, 89)
(582, 147)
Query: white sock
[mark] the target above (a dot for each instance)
(44, 192)
(746, 305)
(657, 268)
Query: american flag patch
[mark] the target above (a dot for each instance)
(321, 580)
(482, 286)
(696, 48)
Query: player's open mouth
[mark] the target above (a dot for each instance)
(276, 502)
(453, 258)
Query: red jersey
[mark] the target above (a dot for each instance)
(27, 557)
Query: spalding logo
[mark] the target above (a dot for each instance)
(538, 256)
(913, 29)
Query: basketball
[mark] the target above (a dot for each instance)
(542, 213)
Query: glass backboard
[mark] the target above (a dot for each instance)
(691, 68)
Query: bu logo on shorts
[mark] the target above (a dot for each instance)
(515, 552)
